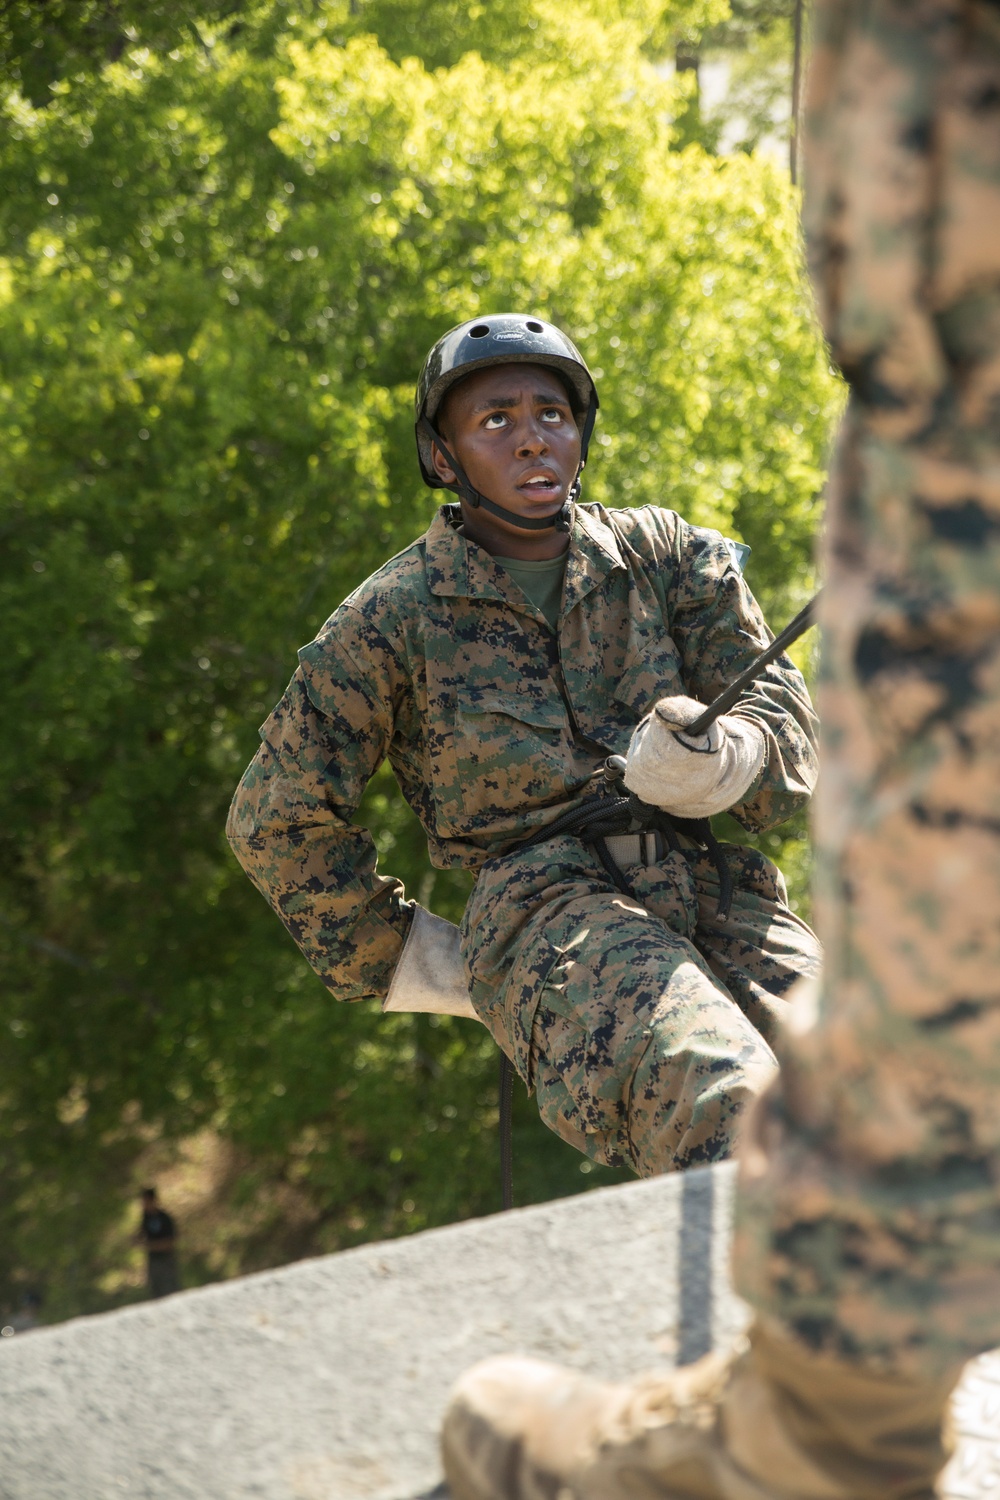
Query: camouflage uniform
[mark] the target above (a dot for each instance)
(640, 1024)
(875, 1232)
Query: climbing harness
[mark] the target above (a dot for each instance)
(613, 811)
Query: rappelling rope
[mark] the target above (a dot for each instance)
(506, 1131)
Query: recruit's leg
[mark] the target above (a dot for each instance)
(870, 1203)
(761, 949)
(637, 1054)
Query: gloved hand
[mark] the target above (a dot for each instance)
(430, 974)
(693, 778)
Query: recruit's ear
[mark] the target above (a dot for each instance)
(442, 469)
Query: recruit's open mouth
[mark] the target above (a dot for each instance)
(540, 486)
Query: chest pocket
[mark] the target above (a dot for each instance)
(506, 752)
(652, 670)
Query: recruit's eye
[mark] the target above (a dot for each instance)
(551, 414)
(495, 420)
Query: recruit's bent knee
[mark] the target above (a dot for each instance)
(673, 1099)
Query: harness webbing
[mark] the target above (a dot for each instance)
(615, 810)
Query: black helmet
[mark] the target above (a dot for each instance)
(500, 339)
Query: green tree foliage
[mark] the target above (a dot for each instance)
(222, 264)
(43, 42)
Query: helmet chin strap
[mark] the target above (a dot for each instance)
(561, 521)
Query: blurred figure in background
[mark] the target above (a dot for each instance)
(157, 1235)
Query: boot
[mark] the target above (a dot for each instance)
(773, 1422)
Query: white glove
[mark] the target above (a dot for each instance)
(430, 974)
(693, 778)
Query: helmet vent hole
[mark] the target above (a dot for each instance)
(480, 331)
(534, 327)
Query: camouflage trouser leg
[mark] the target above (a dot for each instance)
(871, 1198)
(762, 948)
(637, 1053)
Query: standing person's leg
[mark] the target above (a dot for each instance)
(871, 1191)
(885, 1146)
(161, 1275)
(637, 1054)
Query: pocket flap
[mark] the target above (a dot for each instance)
(541, 713)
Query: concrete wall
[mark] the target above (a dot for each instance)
(326, 1380)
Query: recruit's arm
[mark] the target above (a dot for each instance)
(290, 826)
(759, 760)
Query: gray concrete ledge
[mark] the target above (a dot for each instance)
(326, 1380)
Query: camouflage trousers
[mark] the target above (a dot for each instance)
(643, 1026)
(870, 1202)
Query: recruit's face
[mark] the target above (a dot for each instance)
(512, 429)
